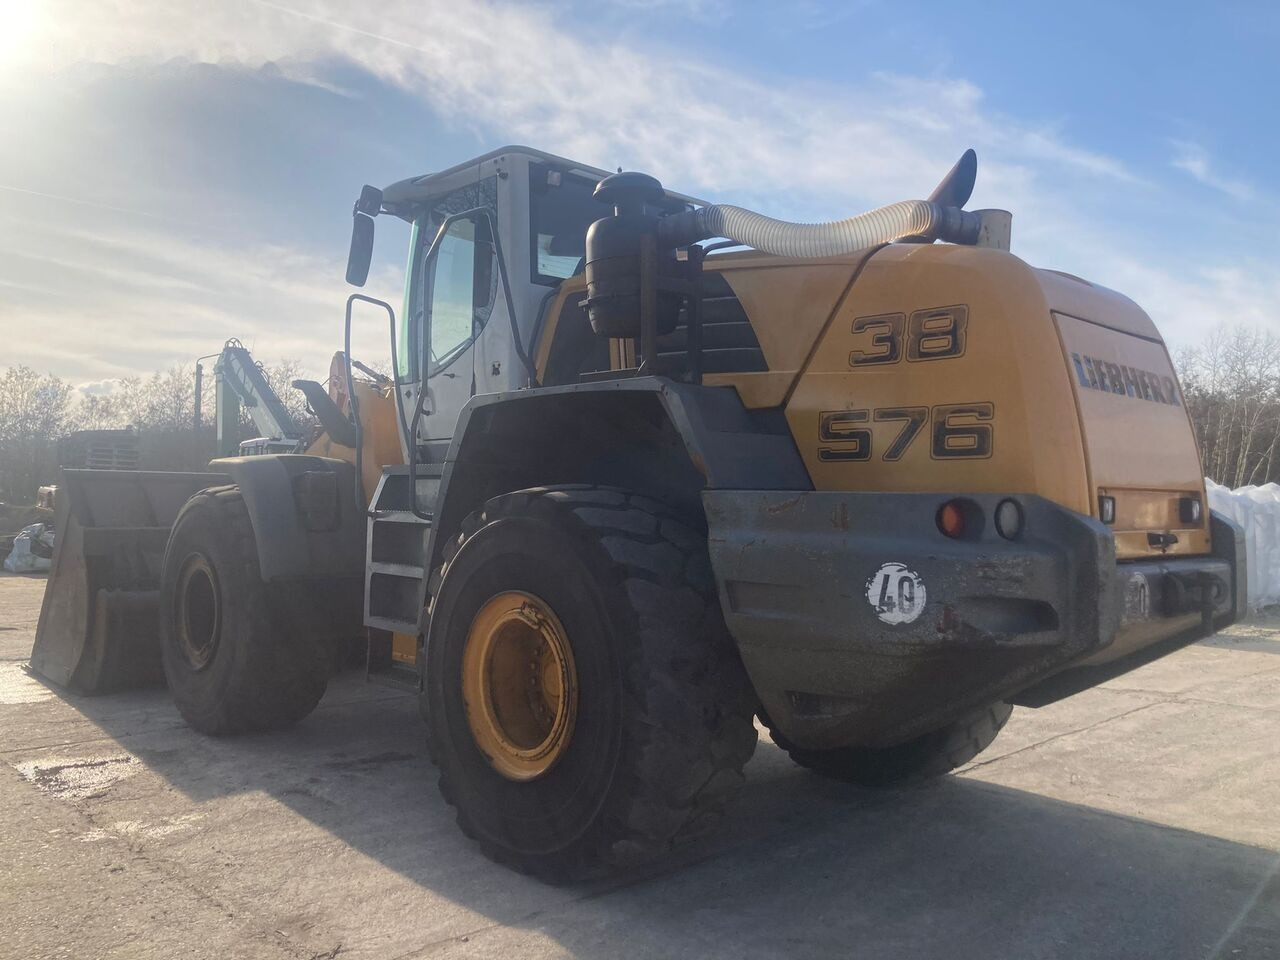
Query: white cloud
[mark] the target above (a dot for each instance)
(1191, 304)
(80, 201)
(1194, 159)
(100, 388)
(126, 300)
(526, 72)
(703, 11)
(521, 70)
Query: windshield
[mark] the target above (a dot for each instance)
(560, 210)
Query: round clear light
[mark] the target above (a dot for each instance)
(1008, 519)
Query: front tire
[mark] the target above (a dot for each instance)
(233, 661)
(656, 700)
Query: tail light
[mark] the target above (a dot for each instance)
(951, 519)
(1009, 519)
(1190, 510)
(1107, 509)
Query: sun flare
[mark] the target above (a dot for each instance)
(19, 21)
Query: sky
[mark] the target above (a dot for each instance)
(177, 173)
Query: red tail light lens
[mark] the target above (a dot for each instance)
(951, 519)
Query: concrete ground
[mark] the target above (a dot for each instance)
(1139, 819)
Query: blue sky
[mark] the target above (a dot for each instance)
(178, 173)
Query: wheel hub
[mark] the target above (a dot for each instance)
(519, 685)
(199, 616)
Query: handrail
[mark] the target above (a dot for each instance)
(354, 404)
(409, 430)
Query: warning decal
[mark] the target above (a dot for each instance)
(896, 594)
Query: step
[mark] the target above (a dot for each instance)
(406, 570)
(397, 516)
(398, 675)
(394, 626)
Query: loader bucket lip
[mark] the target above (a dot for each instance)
(99, 621)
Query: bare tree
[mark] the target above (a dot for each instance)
(36, 409)
(1231, 382)
(281, 376)
(99, 411)
(33, 411)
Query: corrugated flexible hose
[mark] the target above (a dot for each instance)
(910, 218)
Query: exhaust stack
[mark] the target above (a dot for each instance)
(616, 245)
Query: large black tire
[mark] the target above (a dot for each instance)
(930, 755)
(664, 718)
(233, 661)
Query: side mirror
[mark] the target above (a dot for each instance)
(361, 253)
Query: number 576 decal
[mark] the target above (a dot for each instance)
(958, 431)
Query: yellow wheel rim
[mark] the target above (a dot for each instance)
(519, 685)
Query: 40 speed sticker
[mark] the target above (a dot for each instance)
(896, 594)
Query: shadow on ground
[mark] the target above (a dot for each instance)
(801, 867)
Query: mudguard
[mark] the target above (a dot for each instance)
(306, 517)
(670, 439)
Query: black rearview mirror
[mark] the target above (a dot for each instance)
(361, 252)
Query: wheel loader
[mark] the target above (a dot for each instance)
(651, 468)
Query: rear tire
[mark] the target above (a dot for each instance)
(930, 755)
(663, 705)
(234, 664)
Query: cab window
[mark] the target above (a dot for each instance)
(452, 297)
(454, 294)
(561, 208)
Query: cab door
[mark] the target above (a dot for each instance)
(458, 293)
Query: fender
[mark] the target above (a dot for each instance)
(306, 519)
(669, 440)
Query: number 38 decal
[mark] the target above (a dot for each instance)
(933, 334)
(958, 431)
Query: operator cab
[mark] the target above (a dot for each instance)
(515, 222)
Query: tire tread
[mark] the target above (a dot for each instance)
(280, 678)
(689, 731)
(924, 758)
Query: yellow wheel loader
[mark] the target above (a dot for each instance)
(649, 468)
